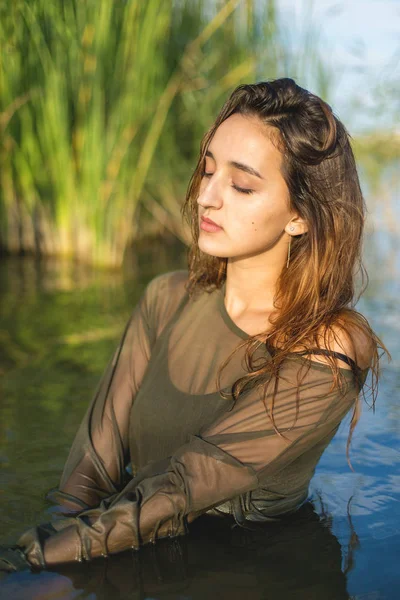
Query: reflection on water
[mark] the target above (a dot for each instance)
(299, 560)
(59, 324)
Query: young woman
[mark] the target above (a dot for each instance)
(231, 378)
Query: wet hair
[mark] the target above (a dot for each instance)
(316, 294)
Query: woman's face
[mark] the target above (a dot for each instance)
(242, 190)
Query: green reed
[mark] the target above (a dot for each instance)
(89, 78)
(86, 88)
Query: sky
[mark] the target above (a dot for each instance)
(361, 41)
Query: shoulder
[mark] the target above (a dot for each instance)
(163, 295)
(171, 283)
(347, 338)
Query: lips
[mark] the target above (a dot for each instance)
(210, 221)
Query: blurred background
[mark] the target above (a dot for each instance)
(102, 109)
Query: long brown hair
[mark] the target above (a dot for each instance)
(316, 293)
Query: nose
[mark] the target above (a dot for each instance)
(209, 193)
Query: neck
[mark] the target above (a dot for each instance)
(251, 284)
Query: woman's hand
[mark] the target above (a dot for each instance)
(12, 558)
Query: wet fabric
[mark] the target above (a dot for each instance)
(157, 411)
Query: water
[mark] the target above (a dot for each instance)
(58, 327)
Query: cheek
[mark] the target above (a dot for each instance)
(254, 225)
(258, 218)
(248, 218)
(270, 219)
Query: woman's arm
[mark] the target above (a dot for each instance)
(228, 458)
(95, 468)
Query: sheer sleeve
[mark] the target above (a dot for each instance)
(231, 456)
(95, 468)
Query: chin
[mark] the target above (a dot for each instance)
(214, 247)
(212, 252)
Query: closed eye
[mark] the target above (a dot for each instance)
(235, 187)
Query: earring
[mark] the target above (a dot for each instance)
(288, 256)
(291, 228)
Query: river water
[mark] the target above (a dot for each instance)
(59, 324)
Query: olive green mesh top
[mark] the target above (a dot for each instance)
(191, 451)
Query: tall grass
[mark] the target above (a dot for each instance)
(87, 83)
(86, 88)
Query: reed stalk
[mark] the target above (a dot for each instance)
(86, 89)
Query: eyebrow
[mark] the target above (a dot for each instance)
(238, 165)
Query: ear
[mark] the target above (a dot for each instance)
(296, 226)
